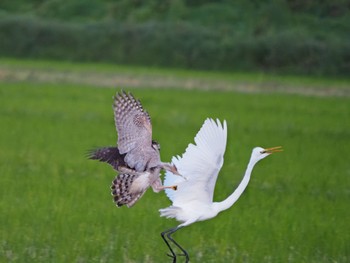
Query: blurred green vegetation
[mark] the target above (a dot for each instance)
(302, 37)
(56, 205)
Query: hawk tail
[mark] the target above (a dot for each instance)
(120, 190)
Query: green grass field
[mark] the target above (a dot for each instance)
(56, 205)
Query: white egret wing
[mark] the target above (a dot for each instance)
(199, 165)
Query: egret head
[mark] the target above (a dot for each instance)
(260, 153)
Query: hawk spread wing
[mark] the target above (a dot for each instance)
(134, 129)
(132, 122)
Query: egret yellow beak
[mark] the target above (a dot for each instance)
(273, 150)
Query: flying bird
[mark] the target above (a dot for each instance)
(200, 165)
(136, 156)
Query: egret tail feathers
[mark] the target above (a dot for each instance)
(169, 212)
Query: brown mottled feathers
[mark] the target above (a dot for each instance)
(120, 190)
(135, 151)
(134, 129)
(132, 122)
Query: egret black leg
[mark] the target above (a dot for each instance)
(169, 233)
(173, 255)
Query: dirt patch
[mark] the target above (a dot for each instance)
(161, 81)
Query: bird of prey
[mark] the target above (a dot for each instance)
(137, 156)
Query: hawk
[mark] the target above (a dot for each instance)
(137, 156)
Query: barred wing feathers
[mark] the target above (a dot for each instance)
(132, 122)
(134, 129)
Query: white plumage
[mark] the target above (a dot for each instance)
(200, 166)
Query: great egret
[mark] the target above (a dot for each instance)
(137, 156)
(199, 166)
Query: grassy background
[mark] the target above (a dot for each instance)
(56, 205)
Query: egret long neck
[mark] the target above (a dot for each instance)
(229, 201)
